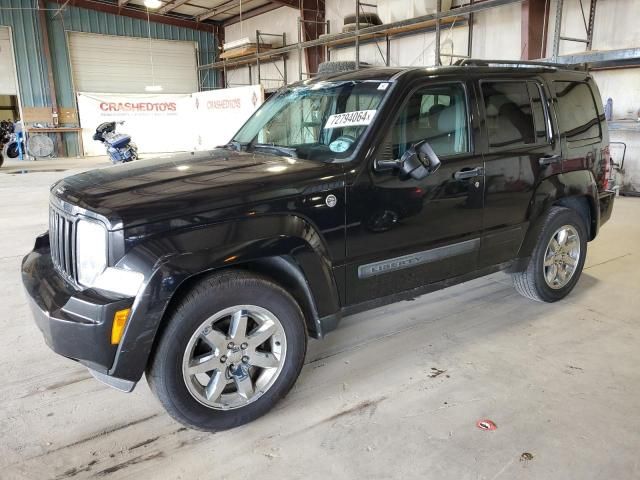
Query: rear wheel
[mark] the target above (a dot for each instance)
(231, 350)
(558, 258)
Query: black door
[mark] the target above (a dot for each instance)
(519, 152)
(403, 233)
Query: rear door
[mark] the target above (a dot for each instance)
(519, 151)
(582, 126)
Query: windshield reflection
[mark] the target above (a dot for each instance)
(324, 121)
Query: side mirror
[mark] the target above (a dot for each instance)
(418, 162)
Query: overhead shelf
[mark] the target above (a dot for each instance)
(240, 62)
(397, 31)
(596, 59)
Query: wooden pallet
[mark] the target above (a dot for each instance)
(248, 49)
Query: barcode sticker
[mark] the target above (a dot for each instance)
(350, 119)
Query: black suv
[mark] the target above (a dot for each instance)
(208, 271)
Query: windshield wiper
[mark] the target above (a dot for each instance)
(236, 145)
(279, 149)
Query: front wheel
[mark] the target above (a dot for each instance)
(557, 259)
(231, 350)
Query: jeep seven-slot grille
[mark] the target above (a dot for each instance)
(62, 241)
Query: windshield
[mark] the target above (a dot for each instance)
(324, 121)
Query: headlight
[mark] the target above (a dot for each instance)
(91, 251)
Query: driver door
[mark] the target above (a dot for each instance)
(404, 233)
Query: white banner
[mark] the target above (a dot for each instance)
(166, 122)
(219, 114)
(155, 122)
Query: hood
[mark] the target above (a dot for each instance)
(169, 186)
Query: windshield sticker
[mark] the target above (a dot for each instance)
(383, 86)
(350, 119)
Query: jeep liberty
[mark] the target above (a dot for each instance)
(207, 271)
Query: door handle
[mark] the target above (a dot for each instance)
(549, 159)
(468, 173)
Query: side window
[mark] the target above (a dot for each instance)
(538, 112)
(437, 114)
(509, 115)
(577, 113)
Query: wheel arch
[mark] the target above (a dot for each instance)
(280, 269)
(289, 251)
(576, 190)
(585, 206)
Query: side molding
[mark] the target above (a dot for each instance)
(418, 258)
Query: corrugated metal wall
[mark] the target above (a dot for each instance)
(22, 17)
(90, 21)
(27, 42)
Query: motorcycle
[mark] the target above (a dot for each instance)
(119, 146)
(8, 144)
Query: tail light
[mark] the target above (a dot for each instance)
(606, 170)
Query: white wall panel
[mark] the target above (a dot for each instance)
(7, 64)
(284, 19)
(497, 33)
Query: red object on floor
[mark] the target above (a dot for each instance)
(486, 424)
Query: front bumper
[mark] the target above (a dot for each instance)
(75, 323)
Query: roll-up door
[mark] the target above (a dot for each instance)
(7, 64)
(114, 64)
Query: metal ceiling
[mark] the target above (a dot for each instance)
(211, 11)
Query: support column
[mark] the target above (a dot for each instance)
(221, 82)
(44, 33)
(313, 16)
(535, 24)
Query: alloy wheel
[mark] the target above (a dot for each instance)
(234, 357)
(561, 257)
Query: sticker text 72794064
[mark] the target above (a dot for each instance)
(350, 119)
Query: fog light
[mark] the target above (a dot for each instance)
(119, 322)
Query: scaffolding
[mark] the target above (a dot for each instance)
(588, 27)
(388, 31)
(430, 22)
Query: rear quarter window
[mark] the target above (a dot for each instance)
(577, 112)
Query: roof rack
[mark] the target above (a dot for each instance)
(477, 62)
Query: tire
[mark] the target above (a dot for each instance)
(220, 296)
(532, 282)
(12, 150)
(1, 159)
(338, 67)
(365, 17)
(352, 27)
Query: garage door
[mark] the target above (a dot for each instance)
(7, 64)
(112, 64)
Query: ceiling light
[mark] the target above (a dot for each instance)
(152, 4)
(153, 88)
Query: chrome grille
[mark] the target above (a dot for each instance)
(62, 239)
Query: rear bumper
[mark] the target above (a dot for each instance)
(75, 323)
(606, 205)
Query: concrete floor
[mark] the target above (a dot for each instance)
(394, 393)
